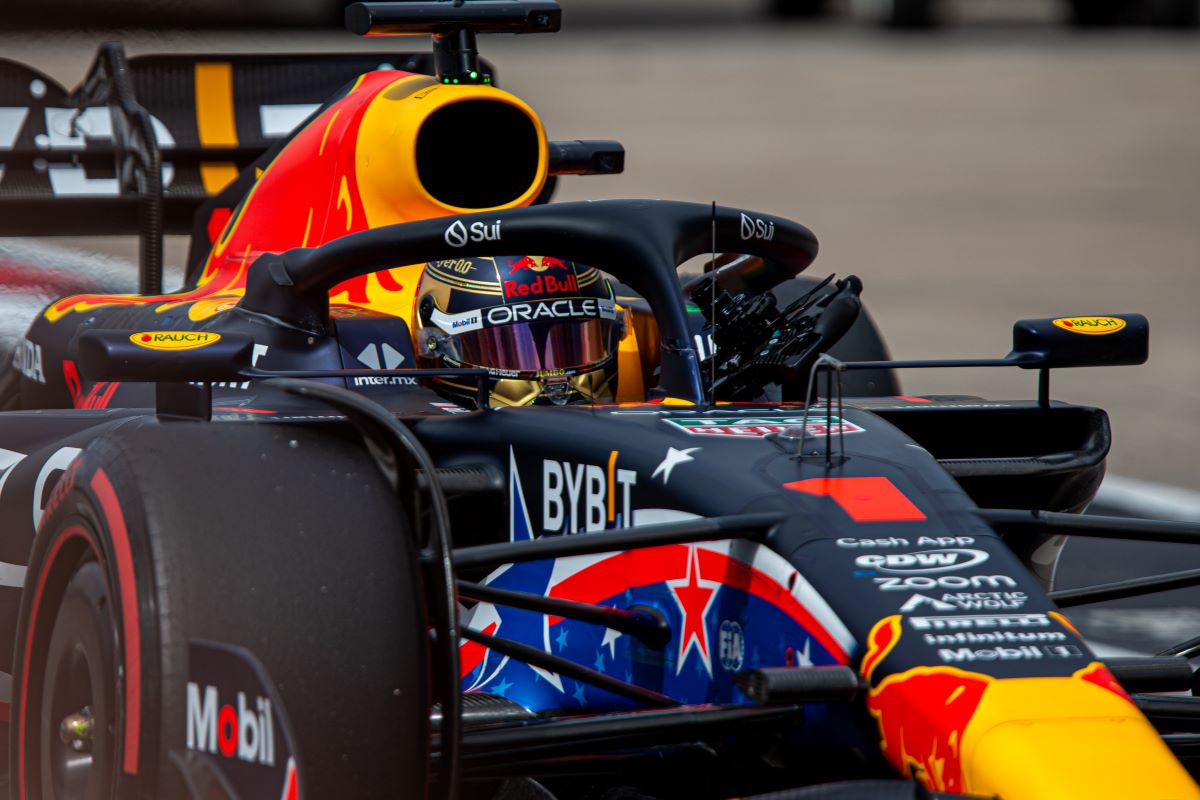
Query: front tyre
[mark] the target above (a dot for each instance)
(205, 601)
(67, 734)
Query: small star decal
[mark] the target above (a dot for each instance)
(610, 641)
(599, 660)
(672, 459)
(804, 657)
(561, 640)
(578, 695)
(501, 688)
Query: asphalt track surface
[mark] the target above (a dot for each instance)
(971, 179)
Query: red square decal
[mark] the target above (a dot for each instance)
(864, 499)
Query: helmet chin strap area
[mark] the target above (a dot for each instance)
(557, 389)
(593, 386)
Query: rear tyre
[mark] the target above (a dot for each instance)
(799, 9)
(1100, 13)
(1176, 13)
(283, 542)
(73, 755)
(899, 14)
(912, 14)
(10, 390)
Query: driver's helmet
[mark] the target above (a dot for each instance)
(546, 329)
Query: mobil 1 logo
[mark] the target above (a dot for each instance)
(1018, 652)
(234, 720)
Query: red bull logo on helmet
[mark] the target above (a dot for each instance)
(541, 285)
(539, 278)
(537, 264)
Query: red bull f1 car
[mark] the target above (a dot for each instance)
(279, 534)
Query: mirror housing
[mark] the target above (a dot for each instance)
(164, 356)
(1101, 341)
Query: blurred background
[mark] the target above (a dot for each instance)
(973, 161)
(902, 14)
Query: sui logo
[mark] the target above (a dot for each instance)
(755, 228)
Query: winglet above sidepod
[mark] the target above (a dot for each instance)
(159, 355)
(1115, 340)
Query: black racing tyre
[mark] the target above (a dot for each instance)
(1100, 13)
(912, 14)
(10, 389)
(799, 9)
(280, 541)
(1175, 13)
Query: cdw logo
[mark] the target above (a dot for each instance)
(243, 732)
(924, 561)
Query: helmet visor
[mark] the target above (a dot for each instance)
(534, 346)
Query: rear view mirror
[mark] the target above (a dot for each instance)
(1104, 341)
(164, 356)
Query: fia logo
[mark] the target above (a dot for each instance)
(731, 645)
(457, 235)
(754, 228)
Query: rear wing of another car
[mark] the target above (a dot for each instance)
(143, 143)
(151, 145)
(61, 151)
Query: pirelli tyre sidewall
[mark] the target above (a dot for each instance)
(75, 544)
(278, 542)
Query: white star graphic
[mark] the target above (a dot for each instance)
(804, 658)
(610, 641)
(673, 458)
